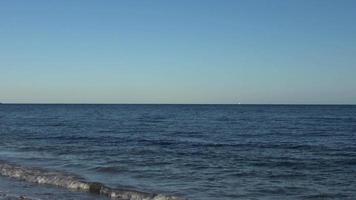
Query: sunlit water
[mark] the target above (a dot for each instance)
(198, 152)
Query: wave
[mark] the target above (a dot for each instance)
(74, 182)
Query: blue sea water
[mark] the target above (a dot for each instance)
(197, 152)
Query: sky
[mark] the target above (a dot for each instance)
(178, 51)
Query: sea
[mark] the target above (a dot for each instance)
(176, 152)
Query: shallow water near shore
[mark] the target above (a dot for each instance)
(198, 152)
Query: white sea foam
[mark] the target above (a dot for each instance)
(72, 182)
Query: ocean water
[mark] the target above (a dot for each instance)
(195, 152)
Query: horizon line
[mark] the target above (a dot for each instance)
(49, 103)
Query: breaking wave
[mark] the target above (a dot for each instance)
(73, 182)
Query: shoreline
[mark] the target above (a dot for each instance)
(75, 183)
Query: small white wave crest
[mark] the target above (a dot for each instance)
(72, 182)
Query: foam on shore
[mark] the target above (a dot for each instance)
(73, 182)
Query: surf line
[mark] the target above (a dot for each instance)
(73, 182)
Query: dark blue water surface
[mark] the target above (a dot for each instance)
(200, 152)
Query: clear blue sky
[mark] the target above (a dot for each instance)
(183, 51)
